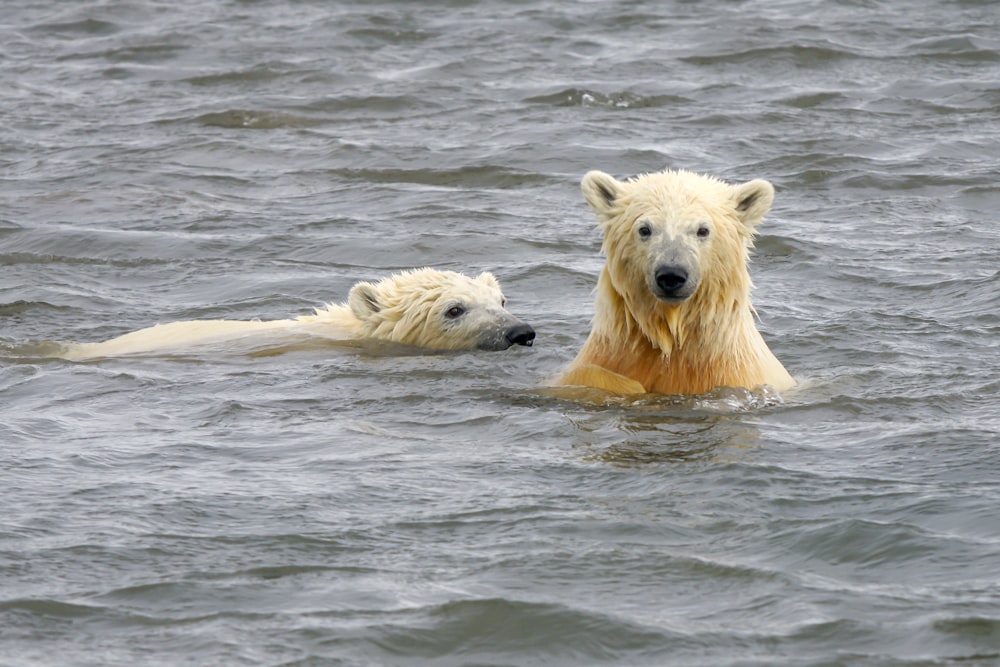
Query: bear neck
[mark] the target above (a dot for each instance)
(708, 341)
(335, 320)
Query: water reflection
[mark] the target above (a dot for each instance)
(651, 429)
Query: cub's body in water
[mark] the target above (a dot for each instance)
(441, 310)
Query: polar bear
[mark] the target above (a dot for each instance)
(440, 310)
(672, 307)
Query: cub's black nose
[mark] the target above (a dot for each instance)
(670, 279)
(522, 334)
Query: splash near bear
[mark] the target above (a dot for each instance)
(672, 306)
(440, 310)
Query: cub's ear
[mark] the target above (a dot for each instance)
(488, 279)
(364, 300)
(752, 200)
(600, 191)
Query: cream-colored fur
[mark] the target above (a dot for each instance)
(672, 308)
(441, 310)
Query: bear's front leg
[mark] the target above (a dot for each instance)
(598, 377)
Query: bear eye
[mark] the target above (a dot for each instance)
(503, 302)
(454, 311)
(704, 231)
(645, 231)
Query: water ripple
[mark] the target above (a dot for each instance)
(371, 505)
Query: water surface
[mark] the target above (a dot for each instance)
(331, 506)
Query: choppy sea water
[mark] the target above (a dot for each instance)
(164, 161)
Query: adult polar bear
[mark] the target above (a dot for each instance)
(673, 312)
(441, 310)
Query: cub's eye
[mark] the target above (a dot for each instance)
(454, 311)
(503, 303)
(704, 231)
(644, 231)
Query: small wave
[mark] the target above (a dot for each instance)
(49, 608)
(32, 351)
(31, 258)
(965, 48)
(484, 630)
(802, 55)
(20, 307)
(261, 73)
(256, 120)
(368, 428)
(81, 27)
(576, 97)
(970, 627)
(481, 176)
(393, 35)
(860, 544)
(815, 99)
(147, 54)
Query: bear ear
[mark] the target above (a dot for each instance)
(363, 300)
(600, 190)
(752, 200)
(488, 279)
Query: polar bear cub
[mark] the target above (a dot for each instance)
(430, 308)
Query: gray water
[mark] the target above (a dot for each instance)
(242, 159)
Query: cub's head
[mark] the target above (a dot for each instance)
(441, 310)
(675, 236)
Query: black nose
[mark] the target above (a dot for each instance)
(671, 278)
(522, 334)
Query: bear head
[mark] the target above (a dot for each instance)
(677, 242)
(436, 309)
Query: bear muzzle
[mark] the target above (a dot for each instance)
(521, 334)
(517, 333)
(673, 283)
